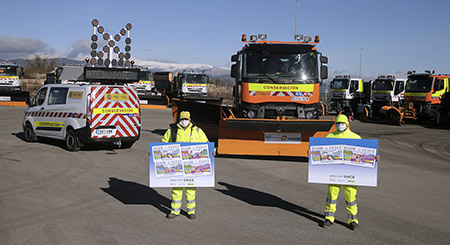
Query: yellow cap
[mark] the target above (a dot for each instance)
(185, 115)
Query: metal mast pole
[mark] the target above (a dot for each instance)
(360, 61)
(296, 19)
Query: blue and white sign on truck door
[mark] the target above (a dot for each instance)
(181, 164)
(343, 161)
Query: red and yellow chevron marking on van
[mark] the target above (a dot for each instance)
(55, 114)
(115, 106)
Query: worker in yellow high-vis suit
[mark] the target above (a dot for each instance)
(342, 131)
(183, 131)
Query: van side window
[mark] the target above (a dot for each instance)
(40, 97)
(57, 96)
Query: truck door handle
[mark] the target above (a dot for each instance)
(42, 108)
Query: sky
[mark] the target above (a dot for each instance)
(383, 36)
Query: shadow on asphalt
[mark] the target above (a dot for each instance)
(131, 193)
(259, 198)
(110, 148)
(157, 131)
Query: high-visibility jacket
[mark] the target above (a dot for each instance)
(333, 190)
(191, 134)
(347, 134)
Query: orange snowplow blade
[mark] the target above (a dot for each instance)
(269, 137)
(245, 136)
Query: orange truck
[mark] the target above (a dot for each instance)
(423, 97)
(276, 108)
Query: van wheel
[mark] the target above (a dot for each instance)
(72, 142)
(30, 136)
(127, 144)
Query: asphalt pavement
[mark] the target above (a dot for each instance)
(101, 195)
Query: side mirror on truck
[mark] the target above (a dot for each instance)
(234, 71)
(323, 72)
(234, 58)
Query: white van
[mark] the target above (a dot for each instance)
(83, 113)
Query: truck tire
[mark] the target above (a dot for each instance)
(126, 144)
(28, 131)
(72, 142)
(395, 117)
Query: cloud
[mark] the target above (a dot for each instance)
(22, 47)
(168, 66)
(80, 49)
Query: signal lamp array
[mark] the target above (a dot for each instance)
(105, 55)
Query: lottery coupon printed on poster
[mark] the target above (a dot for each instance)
(327, 154)
(196, 160)
(167, 159)
(359, 156)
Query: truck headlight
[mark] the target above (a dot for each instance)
(251, 114)
(309, 115)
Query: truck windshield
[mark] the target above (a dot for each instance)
(339, 84)
(387, 85)
(419, 84)
(8, 71)
(195, 78)
(297, 66)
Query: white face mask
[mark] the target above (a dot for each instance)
(184, 123)
(341, 127)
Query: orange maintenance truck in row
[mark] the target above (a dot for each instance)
(423, 97)
(276, 107)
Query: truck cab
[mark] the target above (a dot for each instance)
(387, 90)
(346, 92)
(144, 85)
(191, 84)
(423, 94)
(278, 79)
(10, 75)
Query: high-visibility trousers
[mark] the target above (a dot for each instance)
(350, 202)
(177, 196)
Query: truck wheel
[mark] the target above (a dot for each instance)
(126, 144)
(72, 142)
(394, 117)
(30, 136)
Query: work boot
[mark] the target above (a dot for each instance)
(191, 216)
(172, 216)
(354, 226)
(327, 223)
